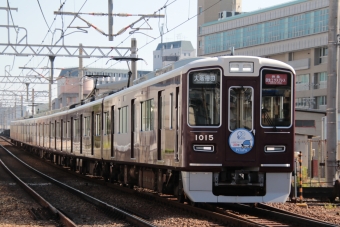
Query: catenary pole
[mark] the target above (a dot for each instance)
(110, 18)
(332, 82)
(80, 73)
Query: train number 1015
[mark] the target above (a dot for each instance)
(204, 137)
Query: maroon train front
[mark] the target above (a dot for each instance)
(218, 130)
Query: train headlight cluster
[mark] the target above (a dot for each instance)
(241, 67)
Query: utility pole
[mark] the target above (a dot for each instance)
(50, 83)
(21, 110)
(332, 94)
(80, 73)
(32, 101)
(110, 17)
(133, 63)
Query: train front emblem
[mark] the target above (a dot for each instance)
(241, 141)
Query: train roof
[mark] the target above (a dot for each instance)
(170, 71)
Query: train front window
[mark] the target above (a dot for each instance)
(241, 107)
(204, 98)
(276, 103)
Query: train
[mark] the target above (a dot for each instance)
(206, 130)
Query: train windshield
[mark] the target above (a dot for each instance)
(241, 107)
(204, 98)
(276, 103)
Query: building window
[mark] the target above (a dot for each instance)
(123, 119)
(323, 55)
(305, 103)
(321, 102)
(200, 10)
(320, 80)
(291, 56)
(308, 23)
(302, 82)
(304, 123)
(147, 115)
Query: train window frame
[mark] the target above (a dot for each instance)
(220, 103)
(147, 115)
(251, 111)
(292, 101)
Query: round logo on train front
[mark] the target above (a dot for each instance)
(241, 141)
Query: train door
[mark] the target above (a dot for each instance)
(71, 134)
(132, 128)
(177, 126)
(81, 132)
(112, 129)
(240, 120)
(92, 133)
(62, 126)
(159, 131)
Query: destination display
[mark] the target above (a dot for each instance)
(204, 78)
(276, 79)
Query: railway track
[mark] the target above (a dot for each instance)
(59, 194)
(236, 214)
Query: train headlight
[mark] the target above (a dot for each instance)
(204, 148)
(241, 67)
(274, 148)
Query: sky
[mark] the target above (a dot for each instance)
(44, 27)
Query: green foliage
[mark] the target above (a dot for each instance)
(329, 206)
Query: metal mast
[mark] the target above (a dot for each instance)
(332, 96)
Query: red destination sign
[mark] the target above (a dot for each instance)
(276, 79)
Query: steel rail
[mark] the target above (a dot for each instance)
(128, 217)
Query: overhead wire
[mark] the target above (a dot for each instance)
(189, 18)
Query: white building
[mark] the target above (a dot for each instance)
(170, 52)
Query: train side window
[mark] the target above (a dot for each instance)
(171, 110)
(106, 125)
(147, 117)
(97, 125)
(68, 129)
(87, 126)
(58, 129)
(65, 130)
(52, 130)
(123, 111)
(240, 107)
(75, 128)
